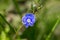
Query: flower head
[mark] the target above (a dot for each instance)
(28, 19)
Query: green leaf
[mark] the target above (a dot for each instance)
(3, 35)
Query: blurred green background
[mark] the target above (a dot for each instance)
(46, 27)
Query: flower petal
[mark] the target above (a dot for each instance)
(29, 22)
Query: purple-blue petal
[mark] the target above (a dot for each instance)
(31, 24)
(26, 25)
(28, 16)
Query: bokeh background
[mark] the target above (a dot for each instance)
(46, 27)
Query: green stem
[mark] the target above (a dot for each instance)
(19, 12)
(12, 29)
(52, 29)
(32, 8)
(16, 6)
(1, 26)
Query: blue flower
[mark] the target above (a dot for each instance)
(28, 19)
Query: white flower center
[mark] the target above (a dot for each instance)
(28, 20)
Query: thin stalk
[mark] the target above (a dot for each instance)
(32, 8)
(19, 12)
(54, 27)
(12, 29)
(1, 26)
(17, 7)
